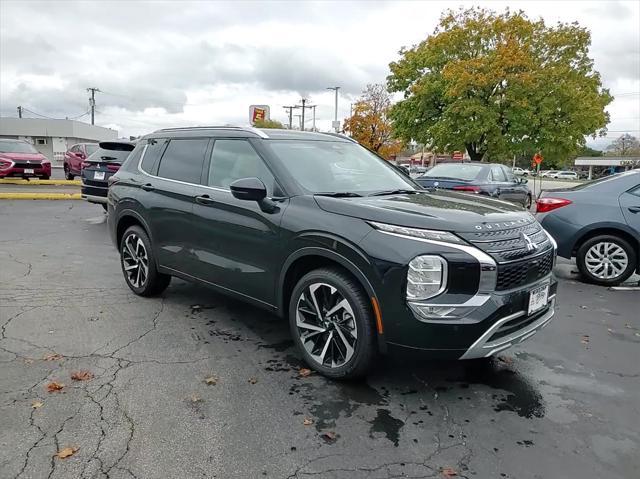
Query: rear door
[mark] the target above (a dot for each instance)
(236, 245)
(168, 197)
(630, 204)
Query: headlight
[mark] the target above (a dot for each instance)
(419, 233)
(426, 277)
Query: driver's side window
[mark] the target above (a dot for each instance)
(232, 160)
(509, 174)
(497, 174)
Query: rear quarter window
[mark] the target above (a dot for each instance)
(152, 154)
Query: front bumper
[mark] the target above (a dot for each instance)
(18, 172)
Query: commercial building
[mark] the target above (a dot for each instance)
(53, 137)
(612, 163)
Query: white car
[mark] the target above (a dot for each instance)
(565, 175)
(548, 173)
(519, 171)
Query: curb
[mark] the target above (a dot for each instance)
(40, 196)
(19, 181)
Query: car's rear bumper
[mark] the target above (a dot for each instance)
(94, 194)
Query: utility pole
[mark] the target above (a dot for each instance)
(19, 112)
(304, 100)
(335, 112)
(290, 108)
(314, 117)
(92, 102)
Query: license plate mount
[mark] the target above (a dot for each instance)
(538, 298)
(28, 171)
(98, 175)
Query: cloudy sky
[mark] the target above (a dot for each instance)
(176, 63)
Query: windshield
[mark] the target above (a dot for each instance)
(110, 156)
(16, 147)
(604, 179)
(326, 166)
(91, 149)
(464, 171)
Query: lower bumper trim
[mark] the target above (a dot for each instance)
(483, 347)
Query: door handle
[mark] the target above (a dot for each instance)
(205, 200)
(634, 209)
(148, 187)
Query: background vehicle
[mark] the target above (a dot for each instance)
(74, 157)
(547, 173)
(20, 158)
(519, 171)
(566, 175)
(316, 228)
(100, 166)
(495, 180)
(597, 222)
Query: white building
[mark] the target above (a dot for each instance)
(53, 137)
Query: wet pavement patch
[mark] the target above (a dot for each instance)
(385, 423)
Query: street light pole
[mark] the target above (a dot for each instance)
(304, 100)
(335, 112)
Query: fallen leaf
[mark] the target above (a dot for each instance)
(307, 421)
(54, 386)
(253, 380)
(583, 307)
(610, 330)
(637, 334)
(194, 398)
(448, 472)
(505, 359)
(304, 372)
(66, 452)
(627, 325)
(53, 357)
(211, 380)
(329, 436)
(584, 339)
(37, 404)
(83, 375)
(28, 360)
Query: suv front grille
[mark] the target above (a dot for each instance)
(24, 164)
(524, 272)
(510, 244)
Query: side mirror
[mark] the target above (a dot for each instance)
(251, 189)
(524, 181)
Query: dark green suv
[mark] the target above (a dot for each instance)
(315, 228)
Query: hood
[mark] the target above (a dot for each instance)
(24, 156)
(440, 210)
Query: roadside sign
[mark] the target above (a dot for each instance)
(258, 113)
(457, 155)
(537, 158)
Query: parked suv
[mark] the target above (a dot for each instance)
(317, 229)
(21, 159)
(100, 166)
(74, 157)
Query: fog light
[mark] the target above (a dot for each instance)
(434, 312)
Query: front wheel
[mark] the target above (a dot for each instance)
(139, 264)
(606, 259)
(67, 173)
(332, 323)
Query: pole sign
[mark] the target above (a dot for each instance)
(258, 113)
(457, 155)
(537, 158)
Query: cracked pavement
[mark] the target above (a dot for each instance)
(565, 404)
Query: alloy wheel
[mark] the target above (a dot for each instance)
(326, 325)
(606, 260)
(135, 260)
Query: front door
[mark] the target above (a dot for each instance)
(237, 244)
(630, 204)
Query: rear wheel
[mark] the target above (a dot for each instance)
(332, 323)
(45, 177)
(606, 259)
(528, 202)
(139, 264)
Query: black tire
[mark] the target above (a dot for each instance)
(583, 250)
(45, 177)
(154, 282)
(528, 202)
(365, 348)
(67, 173)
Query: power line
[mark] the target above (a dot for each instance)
(23, 109)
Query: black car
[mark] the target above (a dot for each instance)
(490, 179)
(317, 229)
(100, 166)
(598, 223)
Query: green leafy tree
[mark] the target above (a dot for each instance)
(267, 124)
(499, 84)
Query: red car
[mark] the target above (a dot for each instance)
(19, 158)
(74, 157)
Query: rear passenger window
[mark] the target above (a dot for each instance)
(235, 159)
(497, 174)
(152, 154)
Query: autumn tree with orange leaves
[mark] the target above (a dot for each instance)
(369, 123)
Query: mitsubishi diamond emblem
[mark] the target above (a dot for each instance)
(531, 246)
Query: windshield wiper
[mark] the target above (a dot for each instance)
(339, 194)
(393, 192)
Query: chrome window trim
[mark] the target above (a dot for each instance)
(488, 266)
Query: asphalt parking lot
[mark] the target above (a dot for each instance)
(193, 385)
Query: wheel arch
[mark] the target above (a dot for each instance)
(607, 229)
(128, 218)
